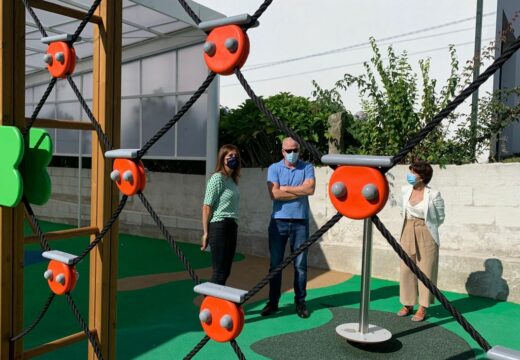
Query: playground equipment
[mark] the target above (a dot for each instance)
(221, 314)
(61, 56)
(128, 174)
(225, 51)
(358, 190)
(61, 273)
(24, 163)
(227, 45)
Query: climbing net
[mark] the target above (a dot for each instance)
(313, 151)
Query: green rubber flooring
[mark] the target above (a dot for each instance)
(161, 322)
(409, 341)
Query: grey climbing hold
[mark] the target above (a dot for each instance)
(226, 322)
(127, 176)
(60, 279)
(338, 189)
(47, 58)
(205, 316)
(48, 274)
(210, 48)
(60, 57)
(231, 44)
(370, 192)
(115, 175)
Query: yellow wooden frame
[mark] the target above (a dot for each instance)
(106, 108)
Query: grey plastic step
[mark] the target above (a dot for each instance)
(60, 256)
(221, 292)
(122, 153)
(241, 19)
(357, 160)
(503, 353)
(59, 37)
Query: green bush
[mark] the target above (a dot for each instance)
(257, 137)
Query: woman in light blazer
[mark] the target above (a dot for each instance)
(423, 212)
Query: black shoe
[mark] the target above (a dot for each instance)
(269, 309)
(301, 310)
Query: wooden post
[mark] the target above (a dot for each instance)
(12, 108)
(105, 196)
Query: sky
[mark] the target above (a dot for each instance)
(292, 29)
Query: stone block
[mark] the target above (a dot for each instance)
(458, 195)
(192, 224)
(497, 196)
(508, 216)
(131, 218)
(470, 215)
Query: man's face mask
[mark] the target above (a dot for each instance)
(291, 155)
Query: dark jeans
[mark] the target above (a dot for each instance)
(297, 232)
(222, 236)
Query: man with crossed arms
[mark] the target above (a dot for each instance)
(289, 182)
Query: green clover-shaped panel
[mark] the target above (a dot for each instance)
(38, 155)
(11, 154)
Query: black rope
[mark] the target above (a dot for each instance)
(177, 116)
(254, 18)
(84, 21)
(318, 234)
(197, 348)
(36, 321)
(497, 64)
(237, 349)
(190, 12)
(32, 218)
(38, 107)
(260, 11)
(169, 238)
(103, 232)
(99, 131)
(434, 290)
(35, 18)
(316, 154)
(84, 326)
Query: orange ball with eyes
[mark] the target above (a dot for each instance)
(61, 277)
(226, 48)
(221, 320)
(358, 192)
(60, 59)
(129, 176)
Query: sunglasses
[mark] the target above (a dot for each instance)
(289, 151)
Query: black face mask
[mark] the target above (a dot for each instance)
(233, 163)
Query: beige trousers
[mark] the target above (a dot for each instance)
(418, 243)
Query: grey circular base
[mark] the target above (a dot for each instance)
(375, 334)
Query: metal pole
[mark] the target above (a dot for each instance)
(363, 332)
(365, 276)
(212, 126)
(476, 73)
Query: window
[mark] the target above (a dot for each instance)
(152, 90)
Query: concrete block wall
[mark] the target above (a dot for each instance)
(482, 226)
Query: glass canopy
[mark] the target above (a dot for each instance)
(142, 20)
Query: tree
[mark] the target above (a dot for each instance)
(259, 140)
(397, 103)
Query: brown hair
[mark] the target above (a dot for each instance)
(222, 153)
(423, 169)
